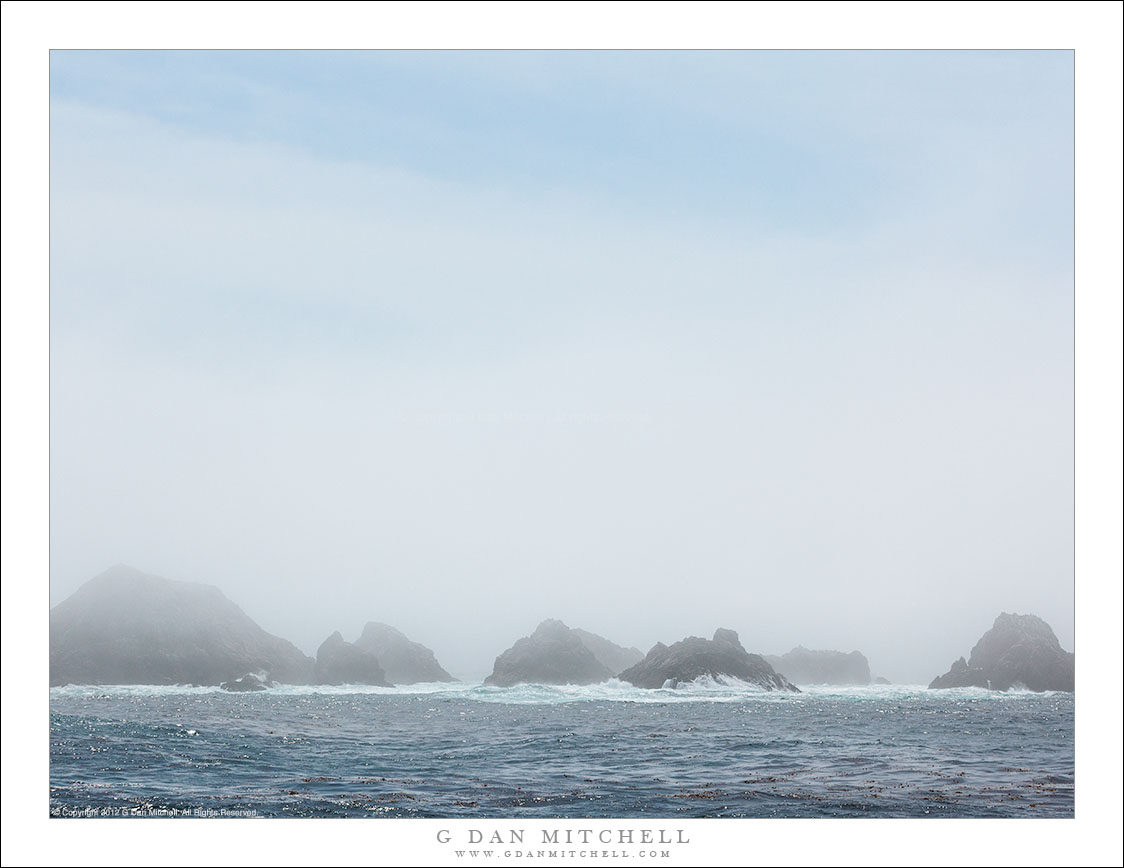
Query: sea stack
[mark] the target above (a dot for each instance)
(1018, 650)
(553, 654)
(340, 662)
(127, 627)
(403, 661)
(802, 666)
(691, 658)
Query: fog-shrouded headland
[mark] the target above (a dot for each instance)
(126, 627)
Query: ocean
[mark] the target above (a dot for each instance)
(611, 750)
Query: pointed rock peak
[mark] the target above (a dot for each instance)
(551, 627)
(340, 662)
(377, 629)
(722, 634)
(120, 571)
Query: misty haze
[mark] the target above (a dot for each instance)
(474, 398)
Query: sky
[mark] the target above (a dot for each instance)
(651, 342)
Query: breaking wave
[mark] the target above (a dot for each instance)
(704, 689)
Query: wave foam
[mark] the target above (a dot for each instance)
(704, 689)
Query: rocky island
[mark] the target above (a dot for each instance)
(249, 683)
(802, 666)
(340, 662)
(553, 654)
(1018, 650)
(403, 661)
(127, 627)
(691, 658)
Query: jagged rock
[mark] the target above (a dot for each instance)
(691, 658)
(249, 683)
(340, 662)
(961, 675)
(881, 680)
(612, 656)
(802, 666)
(553, 654)
(126, 627)
(1017, 650)
(403, 661)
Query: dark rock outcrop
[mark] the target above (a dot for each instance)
(880, 680)
(1017, 650)
(340, 662)
(247, 684)
(693, 658)
(126, 627)
(961, 675)
(612, 656)
(403, 661)
(802, 666)
(553, 654)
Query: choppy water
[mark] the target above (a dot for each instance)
(611, 750)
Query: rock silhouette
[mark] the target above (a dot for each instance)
(553, 654)
(1018, 650)
(691, 658)
(614, 657)
(403, 661)
(802, 666)
(127, 627)
(340, 662)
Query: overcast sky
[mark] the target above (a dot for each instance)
(649, 342)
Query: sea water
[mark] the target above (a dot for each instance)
(708, 749)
